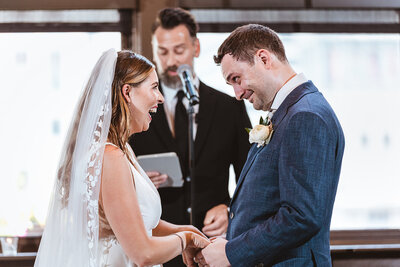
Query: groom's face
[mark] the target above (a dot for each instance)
(249, 81)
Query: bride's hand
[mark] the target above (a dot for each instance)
(193, 229)
(194, 243)
(194, 240)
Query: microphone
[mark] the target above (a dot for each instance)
(186, 74)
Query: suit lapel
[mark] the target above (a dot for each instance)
(250, 159)
(205, 117)
(291, 99)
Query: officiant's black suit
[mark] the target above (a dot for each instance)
(221, 140)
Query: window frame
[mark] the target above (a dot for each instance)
(123, 26)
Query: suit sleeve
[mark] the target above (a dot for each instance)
(307, 187)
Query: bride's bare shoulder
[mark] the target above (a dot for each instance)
(115, 161)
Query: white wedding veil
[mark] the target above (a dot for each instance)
(71, 233)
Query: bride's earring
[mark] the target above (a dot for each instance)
(129, 115)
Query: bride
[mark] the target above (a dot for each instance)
(104, 210)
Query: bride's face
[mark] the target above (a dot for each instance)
(144, 101)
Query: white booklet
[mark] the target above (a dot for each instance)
(167, 163)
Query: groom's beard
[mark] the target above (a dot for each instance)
(171, 81)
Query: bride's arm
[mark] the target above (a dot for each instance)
(165, 228)
(123, 213)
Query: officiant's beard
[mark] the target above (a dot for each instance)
(171, 81)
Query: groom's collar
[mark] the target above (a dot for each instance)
(287, 88)
(294, 96)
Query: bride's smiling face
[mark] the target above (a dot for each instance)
(143, 102)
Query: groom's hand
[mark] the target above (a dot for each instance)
(214, 254)
(216, 221)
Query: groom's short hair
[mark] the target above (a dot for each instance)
(245, 41)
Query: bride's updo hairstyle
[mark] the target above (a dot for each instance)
(132, 69)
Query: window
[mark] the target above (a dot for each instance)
(43, 75)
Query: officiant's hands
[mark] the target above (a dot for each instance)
(194, 243)
(157, 178)
(216, 221)
(213, 255)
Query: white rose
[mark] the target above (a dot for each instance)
(259, 134)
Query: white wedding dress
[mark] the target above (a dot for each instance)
(77, 232)
(111, 254)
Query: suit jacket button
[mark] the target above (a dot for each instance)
(232, 215)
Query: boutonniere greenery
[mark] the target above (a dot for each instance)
(261, 133)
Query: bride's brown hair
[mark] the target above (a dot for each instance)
(130, 69)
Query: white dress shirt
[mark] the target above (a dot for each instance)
(286, 89)
(170, 99)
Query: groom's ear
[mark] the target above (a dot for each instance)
(265, 57)
(126, 89)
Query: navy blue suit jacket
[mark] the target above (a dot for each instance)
(281, 210)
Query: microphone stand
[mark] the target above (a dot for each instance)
(191, 94)
(191, 117)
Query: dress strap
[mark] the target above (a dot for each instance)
(108, 143)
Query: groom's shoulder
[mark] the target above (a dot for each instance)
(311, 101)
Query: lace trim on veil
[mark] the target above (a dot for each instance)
(71, 235)
(93, 177)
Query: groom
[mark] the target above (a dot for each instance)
(281, 210)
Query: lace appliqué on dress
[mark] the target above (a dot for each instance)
(107, 245)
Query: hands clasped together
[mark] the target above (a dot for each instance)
(198, 249)
(201, 252)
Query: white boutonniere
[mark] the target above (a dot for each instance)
(261, 133)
